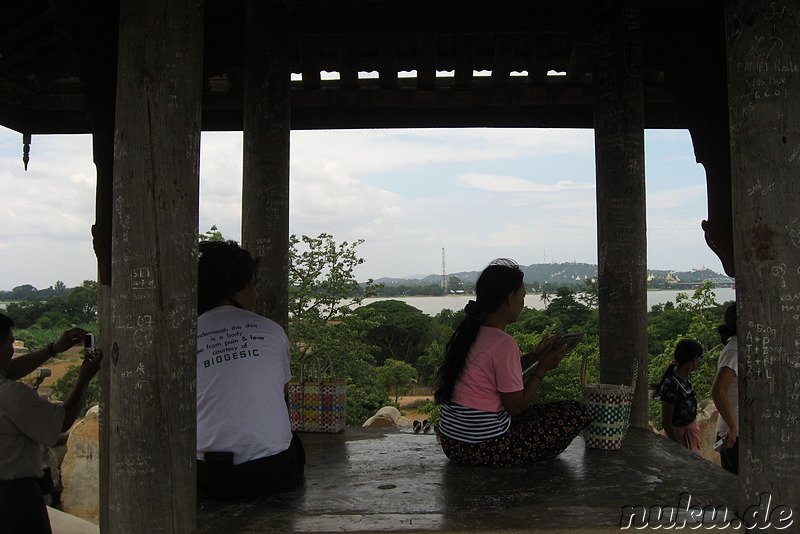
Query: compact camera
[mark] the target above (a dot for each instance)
(88, 343)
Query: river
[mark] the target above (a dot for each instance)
(433, 305)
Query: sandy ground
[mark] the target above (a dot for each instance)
(58, 366)
(410, 413)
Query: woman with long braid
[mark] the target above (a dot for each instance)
(485, 417)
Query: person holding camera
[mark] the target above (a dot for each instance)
(485, 417)
(26, 421)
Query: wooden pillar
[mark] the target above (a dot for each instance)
(621, 225)
(102, 119)
(151, 412)
(99, 72)
(265, 198)
(763, 43)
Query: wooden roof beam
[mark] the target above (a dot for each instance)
(580, 63)
(464, 60)
(388, 61)
(423, 16)
(502, 61)
(427, 46)
(348, 70)
(309, 60)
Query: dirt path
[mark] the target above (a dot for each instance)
(58, 367)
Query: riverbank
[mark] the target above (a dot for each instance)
(433, 305)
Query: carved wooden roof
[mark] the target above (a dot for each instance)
(501, 62)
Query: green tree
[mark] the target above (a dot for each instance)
(545, 296)
(700, 307)
(81, 302)
(55, 316)
(213, 234)
(449, 318)
(364, 399)
(322, 294)
(24, 292)
(396, 377)
(589, 292)
(60, 289)
(665, 323)
(531, 320)
(429, 362)
(564, 382)
(79, 307)
(567, 312)
(396, 328)
(455, 283)
(25, 313)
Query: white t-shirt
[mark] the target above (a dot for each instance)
(242, 368)
(730, 358)
(26, 420)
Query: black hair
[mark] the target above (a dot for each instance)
(224, 269)
(728, 328)
(686, 350)
(6, 324)
(501, 277)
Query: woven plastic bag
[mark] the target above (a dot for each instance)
(318, 404)
(610, 408)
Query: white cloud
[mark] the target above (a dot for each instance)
(676, 198)
(479, 193)
(507, 184)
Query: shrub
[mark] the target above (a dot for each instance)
(363, 401)
(63, 387)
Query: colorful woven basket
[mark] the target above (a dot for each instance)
(318, 404)
(610, 408)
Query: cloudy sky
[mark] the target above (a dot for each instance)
(477, 193)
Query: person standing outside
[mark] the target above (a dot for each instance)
(26, 422)
(725, 392)
(678, 399)
(245, 445)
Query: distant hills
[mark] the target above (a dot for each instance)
(554, 273)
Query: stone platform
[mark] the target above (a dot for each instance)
(383, 480)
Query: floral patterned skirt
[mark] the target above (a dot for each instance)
(541, 431)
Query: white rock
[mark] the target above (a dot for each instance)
(63, 523)
(80, 470)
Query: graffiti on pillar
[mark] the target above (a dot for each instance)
(794, 233)
(142, 278)
(767, 64)
(779, 271)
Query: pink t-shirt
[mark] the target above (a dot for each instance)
(493, 367)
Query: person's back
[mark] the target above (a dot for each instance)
(242, 367)
(245, 446)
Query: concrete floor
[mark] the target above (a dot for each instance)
(383, 480)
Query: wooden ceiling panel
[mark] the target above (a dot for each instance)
(44, 45)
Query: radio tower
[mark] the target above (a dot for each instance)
(444, 272)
